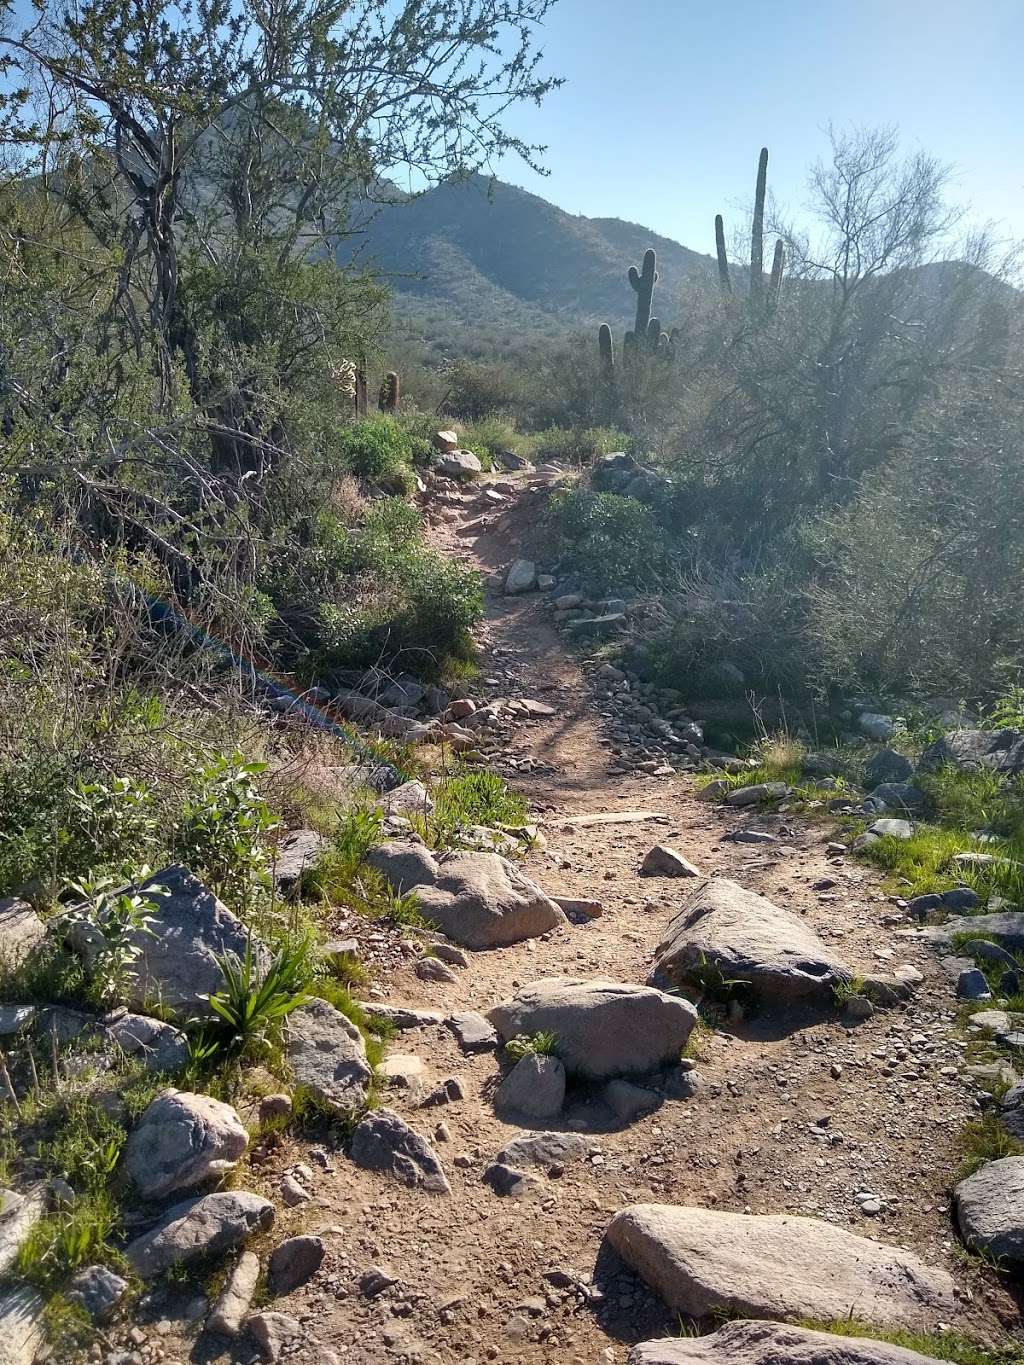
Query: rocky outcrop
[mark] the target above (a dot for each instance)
(776, 1266)
(208, 1226)
(181, 1142)
(177, 955)
(479, 900)
(738, 935)
(990, 1209)
(327, 1056)
(158, 1046)
(603, 1028)
(772, 1343)
(1000, 751)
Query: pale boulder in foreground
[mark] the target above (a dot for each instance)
(745, 937)
(479, 900)
(990, 1209)
(772, 1343)
(603, 1028)
(702, 1262)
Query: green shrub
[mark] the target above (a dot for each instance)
(576, 445)
(610, 541)
(222, 832)
(377, 448)
(114, 917)
(477, 798)
(253, 1002)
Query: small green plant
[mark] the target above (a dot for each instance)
(951, 1346)
(114, 817)
(221, 835)
(1007, 711)
(65, 1241)
(543, 1044)
(114, 919)
(254, 1001)
(845, 991)
(983, 1140)
(378, 449)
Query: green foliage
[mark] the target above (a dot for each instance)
(951, 1346)
(1007, 711)
(221, 835)
(476, 797)
(982, 1140)
(254, 1001)
(378, 449)
(575, 445)
(87, 1147)
(63, 1242)
(608, 540)
(114, 919)
(542, 1044)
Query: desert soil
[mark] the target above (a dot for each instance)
(797, 1114)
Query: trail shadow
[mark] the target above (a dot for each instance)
(627, 1310)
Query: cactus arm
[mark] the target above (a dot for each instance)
(606, 348)
(775, 281)
(757, 231)
(723, 261)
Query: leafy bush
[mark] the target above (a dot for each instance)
(379, 449)
(222, 832)
(576, 445)
(607, 539)
(114, 918)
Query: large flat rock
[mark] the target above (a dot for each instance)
(723, 928)
(772, 1343)
(22, 1334)
(21, 930)
(603, 1028)
(480, 900)
(177, 963)
(1000, 751)
(990, 1209)
(1005, 927)
(777, 1266)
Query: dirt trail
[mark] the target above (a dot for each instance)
(797, 1116)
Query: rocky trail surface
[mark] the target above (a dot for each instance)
(798, 1110)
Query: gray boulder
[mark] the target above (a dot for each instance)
(327, 1056)
(208, 1226)
(891, 829)
(753, 796)
(897, 796)
(1001, 751)
(603, 1028)
(772, 1343)
(159, 1046)
(273, 1333)
(776, 1266)
(459, 464)
(410, 796)
(182, 1141)
(384, 1142)
(971, 985)
(744, 937)
(887, 766)
(990, 1209)
(1003, 926)
(293, 1262)
(535, 1087)
(177, 962)
(521, 577)
(544, 1149)
(98, 1290)
(628, 1102)
(876, 725)
(479, 900)
(21, 930)
(662, 861)
(589, 626)
(474, 1032)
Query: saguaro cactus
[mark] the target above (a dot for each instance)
(643, 281)
(389, 393)
(606, 348)
(762, 300)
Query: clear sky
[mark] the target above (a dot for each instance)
(667, 102)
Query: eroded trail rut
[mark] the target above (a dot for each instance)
(792, 1114)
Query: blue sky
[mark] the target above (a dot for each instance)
(667, 102)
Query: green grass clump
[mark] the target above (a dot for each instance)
(63, 1242)
(983, 1140)
(951, 1346)
(471, 797)
(542, 1044)
(924, 863)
